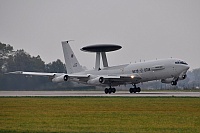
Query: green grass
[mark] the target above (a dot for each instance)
(99, 114)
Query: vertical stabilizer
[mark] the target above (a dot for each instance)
(71, 62)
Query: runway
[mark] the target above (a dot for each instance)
(96, 93)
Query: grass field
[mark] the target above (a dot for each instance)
(99, 114)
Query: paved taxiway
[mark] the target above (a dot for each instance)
(97, 93)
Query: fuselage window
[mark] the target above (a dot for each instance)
(141, 70)
(135, 71)
(181, 62)
(176, 62)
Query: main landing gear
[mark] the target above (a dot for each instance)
(131, 90)
(110, 90)
(135, 89)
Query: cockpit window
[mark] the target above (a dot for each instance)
(181, 62)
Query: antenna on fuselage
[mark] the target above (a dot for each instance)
(100, 50)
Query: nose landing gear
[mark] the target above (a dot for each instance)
(174, 83)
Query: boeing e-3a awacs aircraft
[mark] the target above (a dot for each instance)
(167, 70)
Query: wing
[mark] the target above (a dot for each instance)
(56, 77)
(32, 73)
(113, 80)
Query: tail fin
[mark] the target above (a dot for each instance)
(71, 62)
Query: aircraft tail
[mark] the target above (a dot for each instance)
(71, 62)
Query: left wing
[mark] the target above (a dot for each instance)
(32, 73)
(55, 77)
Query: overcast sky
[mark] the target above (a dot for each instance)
(146, 29)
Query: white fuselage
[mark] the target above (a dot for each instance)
(148, 71)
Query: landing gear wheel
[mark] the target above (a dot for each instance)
(131, 90)
(110, 90)
(134, 90)
(106, 90)
(138, 89)
(113, 90)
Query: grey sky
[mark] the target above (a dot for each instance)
(146, 29)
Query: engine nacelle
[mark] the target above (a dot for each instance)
(96, 81)
(101, 80)
(168, 80)
(60, 78)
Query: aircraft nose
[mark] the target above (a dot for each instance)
(187, 67)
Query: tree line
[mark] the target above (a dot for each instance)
(19, 60)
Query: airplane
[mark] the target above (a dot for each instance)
(167, 70)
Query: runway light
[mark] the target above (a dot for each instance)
(132, 76)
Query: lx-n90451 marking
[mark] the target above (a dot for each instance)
(167, 70)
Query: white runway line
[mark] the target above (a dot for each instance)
(97, 93)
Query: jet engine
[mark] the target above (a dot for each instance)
(96, 81)
(101, 80)
(60, 78)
